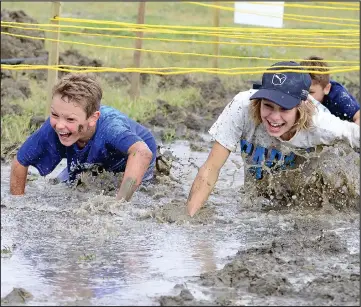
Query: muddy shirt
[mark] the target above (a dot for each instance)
(235, 129)
(340, 102)
(108, 148)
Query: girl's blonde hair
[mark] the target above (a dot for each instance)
(304, 115)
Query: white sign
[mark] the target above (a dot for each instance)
(267, 14)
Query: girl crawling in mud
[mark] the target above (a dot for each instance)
(267, 123)
(89, 136)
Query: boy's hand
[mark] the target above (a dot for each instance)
(18, 177)
(121, 200)
(139, 158)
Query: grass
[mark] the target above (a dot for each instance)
(6, 252)
(168, 13)
(87, 257)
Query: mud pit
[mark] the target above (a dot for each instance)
(90, 250)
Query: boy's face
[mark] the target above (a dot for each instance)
(277, 120)
(69, 121)
(318, 92)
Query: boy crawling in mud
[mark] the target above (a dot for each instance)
(330, 93)
(89, 136)
(268, 124)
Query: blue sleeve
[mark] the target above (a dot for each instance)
(120, 137)
(42, 150)
(341, 102)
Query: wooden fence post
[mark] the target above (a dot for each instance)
(53, 58)
(134, 89)
(216, 25)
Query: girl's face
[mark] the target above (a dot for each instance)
(69, 121)
(277, 120)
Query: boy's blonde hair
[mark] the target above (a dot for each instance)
(322, 79)
(305, 111)
(81, 88)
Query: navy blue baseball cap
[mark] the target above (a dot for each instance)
(286, 89)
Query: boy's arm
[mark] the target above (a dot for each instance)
(18, 177)
(206, 178)
(139, 158)
(348, 108)
(356, 118)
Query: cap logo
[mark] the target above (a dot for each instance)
(278, 79)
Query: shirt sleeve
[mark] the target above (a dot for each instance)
(42, 150)
(120, 137)
(346, 104)
(229, 127)
(330, 129)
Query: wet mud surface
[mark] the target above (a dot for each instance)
(80, 247)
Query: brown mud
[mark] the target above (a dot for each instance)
(289, 264)
(18, 296)
(283, 270)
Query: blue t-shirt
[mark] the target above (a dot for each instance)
(340, 102)
(108, 148)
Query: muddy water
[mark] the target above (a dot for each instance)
(81, 247)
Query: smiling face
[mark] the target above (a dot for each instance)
(279, 122)
(318, 91)
(70, 122)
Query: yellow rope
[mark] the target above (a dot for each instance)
(151, 71)
(226, 29)
(304, 45)
(328, 43)
(146, 50)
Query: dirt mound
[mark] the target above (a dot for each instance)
(20, 47)
(17, 47)
(12, 90)
(199, 115)
(175, 81)
(124, 79)
(266, 270)
(29, 51)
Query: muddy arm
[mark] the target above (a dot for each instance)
(18, 177)
(139, 158)
(206, 178)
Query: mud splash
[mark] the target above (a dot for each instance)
(330, 175)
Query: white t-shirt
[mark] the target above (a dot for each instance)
(235, 127)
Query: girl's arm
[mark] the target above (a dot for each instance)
(330, 129)
(206, 178)
(139, 158)
(18, 177)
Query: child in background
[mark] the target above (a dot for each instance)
(331, 94)
(268, 124)
(89, 136)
